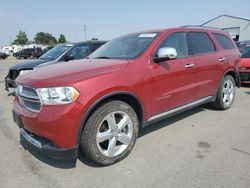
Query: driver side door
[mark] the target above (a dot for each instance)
(173, 81)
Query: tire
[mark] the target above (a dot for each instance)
(226, 93)
(105, 141)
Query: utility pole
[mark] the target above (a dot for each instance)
(85, 32)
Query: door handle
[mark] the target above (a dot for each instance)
(189, 65)
(222, 59)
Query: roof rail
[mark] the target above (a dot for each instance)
(201, 26)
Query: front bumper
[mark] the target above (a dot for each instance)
(51, 151)
(57, 124)
(10, 79)
(9, 83)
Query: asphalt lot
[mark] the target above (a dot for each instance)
(202, 147)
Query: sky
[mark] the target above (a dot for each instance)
(107, 19)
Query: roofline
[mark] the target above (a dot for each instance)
(193, 27)
(226, 16)
(201, 27)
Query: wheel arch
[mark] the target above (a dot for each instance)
(124, 96)
(235, 76)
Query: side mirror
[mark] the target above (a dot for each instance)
(68, 57)
(165, 53)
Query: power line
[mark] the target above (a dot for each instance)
(85, 31)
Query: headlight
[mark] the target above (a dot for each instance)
(58, 95)
(24, 71)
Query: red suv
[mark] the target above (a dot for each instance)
(99, 104)
(245, 67)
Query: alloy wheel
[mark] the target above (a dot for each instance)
(228, 92)
(114, 134)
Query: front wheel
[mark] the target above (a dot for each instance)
(225, 94)
(110, 133)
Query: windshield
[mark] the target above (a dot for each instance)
(55, 52)
(126, 47)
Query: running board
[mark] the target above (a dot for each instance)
(180, 109)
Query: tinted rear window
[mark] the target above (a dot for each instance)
(246, 54)
(96, 45)
(224, 41)
(200, 43)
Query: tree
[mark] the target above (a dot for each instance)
(45, 38)
(21, 38)
(61, 39)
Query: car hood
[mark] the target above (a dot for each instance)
(30, 64)
(69, 72)
(245, 62)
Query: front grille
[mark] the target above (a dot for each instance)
(30, 92)
(28, 98)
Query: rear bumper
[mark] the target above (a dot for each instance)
(51, 151)
(245, 76)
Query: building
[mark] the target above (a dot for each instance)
(11, 49)
(238, 28)
(14, 48)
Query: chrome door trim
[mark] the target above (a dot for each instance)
(181, 108)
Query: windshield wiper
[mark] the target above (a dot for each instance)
(102, 57)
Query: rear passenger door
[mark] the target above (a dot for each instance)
(230, 56)
(207, 64)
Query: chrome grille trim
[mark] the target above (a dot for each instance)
(28, 98)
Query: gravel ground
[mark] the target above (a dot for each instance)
(202, 147)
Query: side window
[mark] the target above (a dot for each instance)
(200, 43)
(79, 52)
(224, 41)
(177, 41)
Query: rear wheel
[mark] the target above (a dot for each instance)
(225, 94)
(110, 133)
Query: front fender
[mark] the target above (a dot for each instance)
(99, 98)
